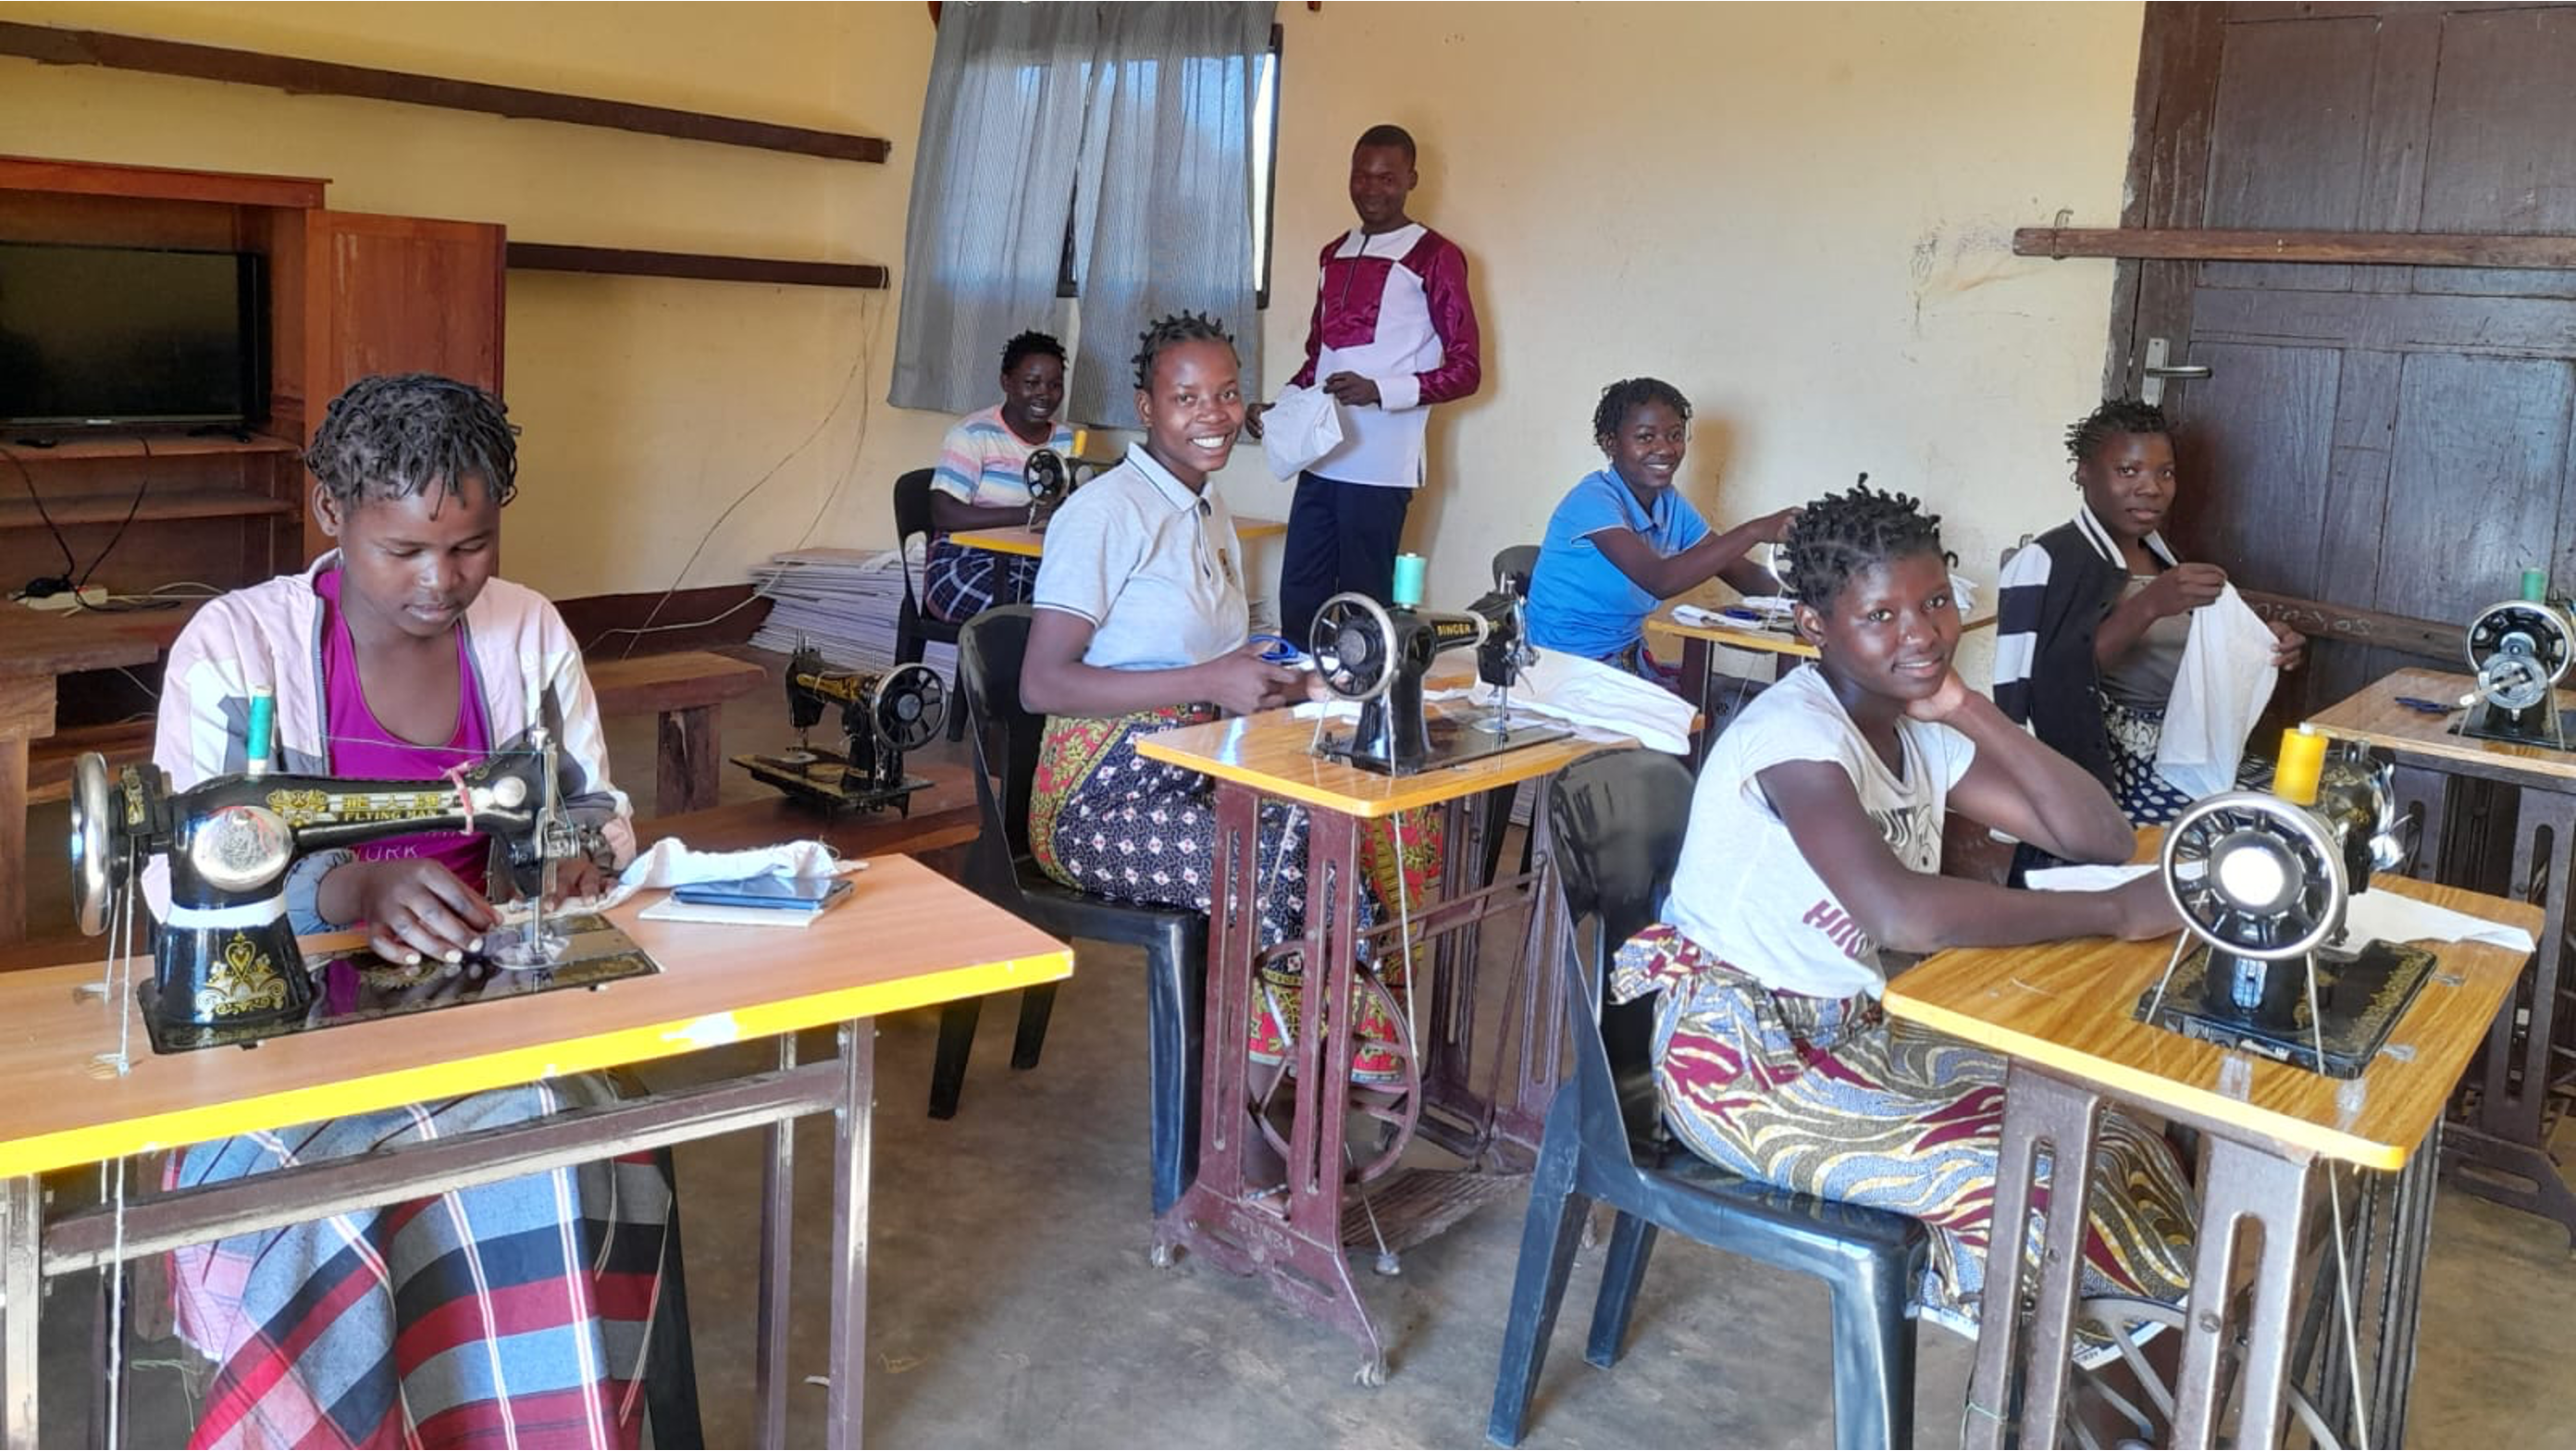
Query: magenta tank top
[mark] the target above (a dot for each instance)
(358, 745)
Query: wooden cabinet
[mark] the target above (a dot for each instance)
(349, 294)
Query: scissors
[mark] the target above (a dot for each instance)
(2428, 707)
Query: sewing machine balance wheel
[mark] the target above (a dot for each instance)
(910, 706)
(98, 867)
(1353, 643)
(2254, 875)
(2519, 651)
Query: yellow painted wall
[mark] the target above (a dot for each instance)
(648, 405)
(1799, 214)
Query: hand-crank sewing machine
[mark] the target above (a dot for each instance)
(226, 966)
(1378, 656)
(882, 716)
(2263, 881)
(2520, 650)
(1052, 478)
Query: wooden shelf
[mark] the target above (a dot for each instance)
(2380, 249)
(19, 513)
(127, 445)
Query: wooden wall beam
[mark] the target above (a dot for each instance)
(2353, 626)
(625, 262)
(2396, 249)
(55, 45)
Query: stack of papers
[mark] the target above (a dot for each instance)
(842, 602)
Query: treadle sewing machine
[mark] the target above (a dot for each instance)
(2263, 881)
(226, 966)
(1378, 657)
(882, 716)
(2520, 650)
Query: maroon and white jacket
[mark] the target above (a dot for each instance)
(1392, 308)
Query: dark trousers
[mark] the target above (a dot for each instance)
(1341, 537)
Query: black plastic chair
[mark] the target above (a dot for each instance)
(915, 627)
(1000, 870)
(1618, 818)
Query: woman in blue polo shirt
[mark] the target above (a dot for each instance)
(1625, 540)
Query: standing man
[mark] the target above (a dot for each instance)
(1392, 333)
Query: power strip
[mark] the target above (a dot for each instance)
(94, 596)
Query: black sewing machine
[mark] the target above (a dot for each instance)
(2519, 649)
(2263, 882)
(1378, 656)
(226, 966)
(1052, 478)
(882, 717)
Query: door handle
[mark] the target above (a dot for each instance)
(2151, 391)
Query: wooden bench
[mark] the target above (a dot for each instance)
(687, 689)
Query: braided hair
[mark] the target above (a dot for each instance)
(1840, 535)
(1628, 394)
(2086, 435)
(1030, 344)
(391, 437)
(1171, 332)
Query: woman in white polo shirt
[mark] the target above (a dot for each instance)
(1141, 624)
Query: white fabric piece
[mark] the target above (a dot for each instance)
(671, 863)
(1588, 693)
(2220, 689)
(1963, 593)
(1303, 426)
(2368, 917)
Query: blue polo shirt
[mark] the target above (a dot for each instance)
(1580, 602)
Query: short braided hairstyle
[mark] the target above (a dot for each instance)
(1840, 535)
(1632, 393)
(1030, 344)
(394, 436)
(1170, 332)
(2118, 416)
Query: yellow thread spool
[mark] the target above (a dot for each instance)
(2303, 761)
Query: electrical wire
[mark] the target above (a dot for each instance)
(70, 562)
(142, 483)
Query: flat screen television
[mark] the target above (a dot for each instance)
(129, 337)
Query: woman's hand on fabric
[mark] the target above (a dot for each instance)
(2289, 647)
(577, 877)
(1352, 390)
(1244, 683)
(1252, 420)
(415, 908)
(1773, 528)
(2143, 909)
(2184, 587)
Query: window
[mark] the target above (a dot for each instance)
(1265, 182)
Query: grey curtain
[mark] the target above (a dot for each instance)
(1134, 122)
(1163, 215)
(1001, 134)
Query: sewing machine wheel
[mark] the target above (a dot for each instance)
(911, 705)
(1047, 476)
(2255, 876)
(2519, 651)
(98, 870)
(1354, 647)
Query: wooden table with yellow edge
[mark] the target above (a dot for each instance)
(1031, 543)
(1708, 690)
(2060, 1014)
(1297, 1236)
(2500, 1151)
(907, 939)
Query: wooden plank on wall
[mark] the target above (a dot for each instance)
(2392, 249)
(55, 45)
(626, 262)
(2355, 626)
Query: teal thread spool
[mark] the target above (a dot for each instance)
(261, 729)
(2535, 585)
(1408, 580)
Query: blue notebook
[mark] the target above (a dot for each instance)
(784, 894)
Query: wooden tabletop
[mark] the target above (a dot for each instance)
(1032, 542)
(41, 642)
(2374, 716)
(1270, 752)
(2065, 1006)
(1743, 636)
(908, 938)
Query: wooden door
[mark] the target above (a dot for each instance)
(2388, 442)
(399, 295)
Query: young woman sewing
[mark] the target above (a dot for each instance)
(982, 482)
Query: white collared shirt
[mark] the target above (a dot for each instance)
(1152, 564)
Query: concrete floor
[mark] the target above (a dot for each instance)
(1011, 1302)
